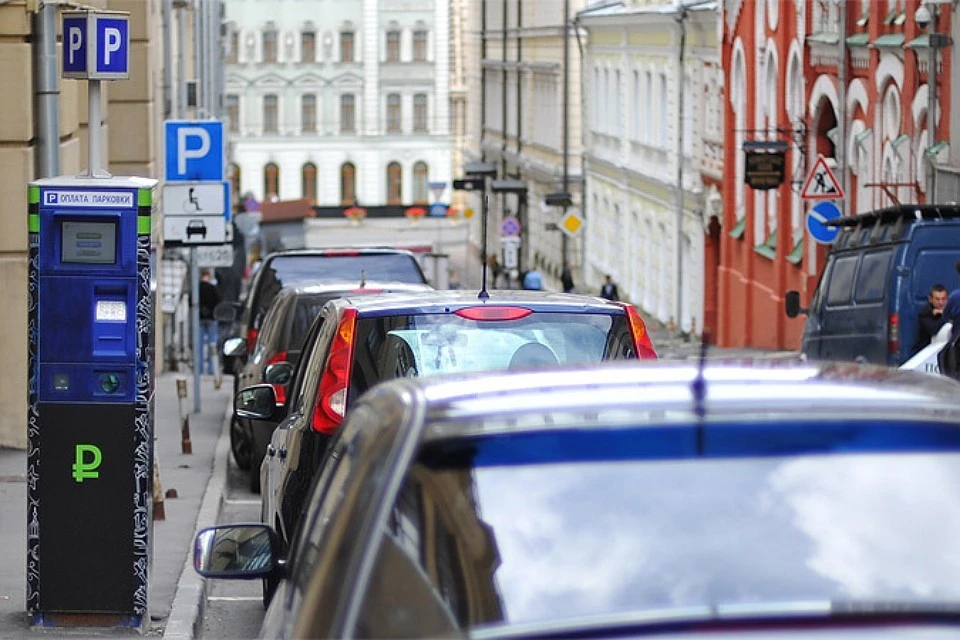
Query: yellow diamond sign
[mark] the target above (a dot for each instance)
(571, 224)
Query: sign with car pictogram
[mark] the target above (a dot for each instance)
(194, 230)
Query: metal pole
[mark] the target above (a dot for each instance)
(201, 79)
(181, 63)
(932, 103)
(564, 241)
(166, 13)
(681, 22)
(47, 92)
(94, 121)
(842, 99)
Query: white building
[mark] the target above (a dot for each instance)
(638, 230)
(338, 101)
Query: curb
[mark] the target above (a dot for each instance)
(186, 614)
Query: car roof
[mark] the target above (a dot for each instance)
(339, 251)
(439, 300)
(351, 286)
(664, 392)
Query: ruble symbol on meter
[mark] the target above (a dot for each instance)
(85, 468)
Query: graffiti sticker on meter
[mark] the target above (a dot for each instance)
(111, 311)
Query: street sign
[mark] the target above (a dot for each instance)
(571, 224)
(194, 230)
(437, 188)
(438, 210)
(817, 216)
(511, 252)
(468, 184)
(193, 150)
(821, 184)
(510, 226)
(215, 256)
(190, 199)
(96, 45)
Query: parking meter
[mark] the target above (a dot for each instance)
(90, 396)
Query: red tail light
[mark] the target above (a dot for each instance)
(251, 339)
(641, 339)
(280, 390)
(335, 381)
(893, 335)
(493, 313)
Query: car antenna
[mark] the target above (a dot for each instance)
(699, 388)
(363, 279)
(483, 295)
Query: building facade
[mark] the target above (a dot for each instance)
(338, 102)
(132, 113)
(524, 117)
(845, 81)
(653, 162)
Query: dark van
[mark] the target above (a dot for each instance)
(876, 280)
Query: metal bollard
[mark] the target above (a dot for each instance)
(185, 445)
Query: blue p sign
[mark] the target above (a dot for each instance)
(193, 150)
(96, 45)
(74, 45)
(113, 50)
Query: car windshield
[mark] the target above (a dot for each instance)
(548, 527)
(428, 344)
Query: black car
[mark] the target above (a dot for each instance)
(278, 343)
(311, 266)
(667, 500)
(357, 342)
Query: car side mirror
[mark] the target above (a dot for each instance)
(226, 312)
(235, 347)
(792, 304)
(240, 551)
(258, 402)
(278, 373)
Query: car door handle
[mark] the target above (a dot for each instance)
(271, 450)
(283, 453)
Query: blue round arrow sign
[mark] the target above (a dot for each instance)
(817, 216)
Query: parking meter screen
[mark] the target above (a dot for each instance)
(89, 242)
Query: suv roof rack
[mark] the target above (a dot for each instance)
(902, 214)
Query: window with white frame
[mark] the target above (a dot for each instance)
(308, 113)
(546, 125)
(348, 111)
(420, 112)
(269, 45)
(420, 45)
(664, 110)
(346, 46)
(635, 107)
(233, 112)
(393, 45)
(270, 119)
(393, 113)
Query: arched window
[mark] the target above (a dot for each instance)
(420, 179)
(271, 182)
(348, 183)
(394, 190)
(308, 179)
(346, 46)
(270, 44)
(420, 45)
(393, 45)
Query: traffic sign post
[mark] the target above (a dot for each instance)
(818, 215)
(510, 226)
(821, 184)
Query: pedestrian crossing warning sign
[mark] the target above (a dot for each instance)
(821, 184)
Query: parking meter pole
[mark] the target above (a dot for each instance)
(195, 324)
(94, 130)
(90, 401)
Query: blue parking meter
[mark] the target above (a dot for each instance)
(90, 395)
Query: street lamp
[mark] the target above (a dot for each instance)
(475, 179)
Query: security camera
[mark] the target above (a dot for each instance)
(923, 17)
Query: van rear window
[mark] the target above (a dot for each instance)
(841, 281)
(872, 277)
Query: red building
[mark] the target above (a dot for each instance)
(785, 85)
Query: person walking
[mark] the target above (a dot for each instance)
(609, 289)
(209, 299)
(566, 279)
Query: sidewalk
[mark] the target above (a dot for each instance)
(175, 590)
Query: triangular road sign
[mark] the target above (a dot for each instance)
(821, 184)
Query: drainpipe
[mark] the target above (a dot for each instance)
(483, 78)
(47, 90)
(564, 240)
(680, 18)
(842, 98)
(167, 16)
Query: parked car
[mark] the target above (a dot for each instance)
(357, 342)
(311, 266)
(759, 500)
(278, 343)
(876, 279)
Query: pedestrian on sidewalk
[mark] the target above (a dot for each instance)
(209, 299)
(566, 279)
(609, 289)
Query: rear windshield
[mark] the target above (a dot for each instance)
(288, 271)
(555, 527)
(429, 344)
